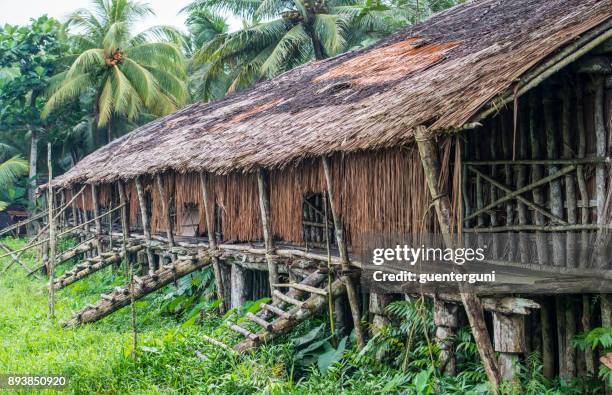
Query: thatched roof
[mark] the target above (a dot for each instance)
(438, 73)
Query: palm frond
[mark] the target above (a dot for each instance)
(11, 170)
(293, 41)
(331, 30)
(86, 61)
(69, 89)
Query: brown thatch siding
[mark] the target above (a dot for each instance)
(444, 71)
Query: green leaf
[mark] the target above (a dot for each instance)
(331, 356)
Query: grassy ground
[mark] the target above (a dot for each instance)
(171, 358)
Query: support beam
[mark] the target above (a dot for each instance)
(212, 242)
(351, 290)
(264, 207)
(145, 224)
(472, 305)
(239, 286)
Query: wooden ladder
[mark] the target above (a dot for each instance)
(303, 300)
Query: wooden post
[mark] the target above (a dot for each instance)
(447, 321)
(548, 360)
(75, 216)
(378, 303)
(240, 286)
(97, 221)
(166, 208)
(264, 206)
(570, 185)
(52, 236)
(536, 174)
(351, 290)
(521, 181)
(555, 194)
(129, 267)
(600, 144)
(509, 335)
(472, 305)
(212, 242)
(145, 223)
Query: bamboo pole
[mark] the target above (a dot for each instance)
(75, 219)
(471, 303)
(264, 206)
(52, 236)
(492, 189)
(508, 173)
(600, 145)
(145, 223)
(351, 290)
(98, 218)
(212, 242)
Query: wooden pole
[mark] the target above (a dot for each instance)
(509, 335)
(600, 144)
(351, 290)
(52, 236)
(536, 174)
(145, 223)
(128, 265)
(555, 194)
(471, 303)
(570, 185)
(548, 359)
(447, 322)
(166, 208)
(521, 180)
(264, 206)
(212, 242)
(97, 217)
(75, 216)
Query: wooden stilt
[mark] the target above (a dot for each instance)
(509, 335)
(75, 216)
(351, 290)
(548, 360)
(52, 235)
(264, 206)
(447, 321)
(240, 286)
(97, 217)
(473, 306)
(145, 224)
(570, 333)
(586, 328)
(212, 241)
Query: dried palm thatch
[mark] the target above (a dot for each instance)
(438, 73)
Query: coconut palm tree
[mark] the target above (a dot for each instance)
(279, 34)
(11, 170)
(126, 73)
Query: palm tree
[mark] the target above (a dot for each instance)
(10, 171)
(280, 34)
(127, 74)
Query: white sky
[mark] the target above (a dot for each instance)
(19, 12)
